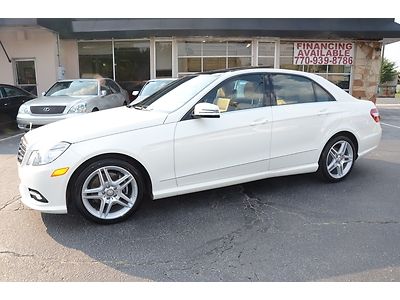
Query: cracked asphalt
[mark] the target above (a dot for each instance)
(293, 228)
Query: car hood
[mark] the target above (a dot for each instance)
(95, 125)
(57, 100)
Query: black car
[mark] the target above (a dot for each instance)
(11, 98)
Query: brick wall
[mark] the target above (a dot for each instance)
(366, 70)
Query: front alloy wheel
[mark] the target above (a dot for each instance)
(108, 191)
(337, 159)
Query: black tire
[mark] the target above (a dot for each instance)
(115, 168)
(327, 158)
(95, 109)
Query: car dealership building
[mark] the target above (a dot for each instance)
(36, 52)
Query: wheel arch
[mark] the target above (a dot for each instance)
(124, 157)
(347, 134)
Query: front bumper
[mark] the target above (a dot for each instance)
(24, 121)
(29, 201)
(39, 179)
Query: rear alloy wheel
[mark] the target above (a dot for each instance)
(108, 191)
(337, 159)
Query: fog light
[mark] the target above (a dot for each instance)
(59, 172)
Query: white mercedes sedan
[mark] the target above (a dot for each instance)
(201, 132)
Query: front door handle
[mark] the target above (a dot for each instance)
(261, 122)
(323, 111)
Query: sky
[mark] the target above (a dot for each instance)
(392, 51)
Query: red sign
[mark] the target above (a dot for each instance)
(323, 53)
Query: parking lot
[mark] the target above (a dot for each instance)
(293, 228)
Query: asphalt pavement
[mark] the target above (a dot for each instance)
(294, 228)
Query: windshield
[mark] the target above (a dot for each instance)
(74, 88)
(177, 93)
(153, 86)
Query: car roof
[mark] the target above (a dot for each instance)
(10, 85)
(81, 79)
(161, 79)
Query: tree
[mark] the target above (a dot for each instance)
(388, 71)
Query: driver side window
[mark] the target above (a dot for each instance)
(106, 88)
(241, 92)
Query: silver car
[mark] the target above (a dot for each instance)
(151, 86)
(67, 98)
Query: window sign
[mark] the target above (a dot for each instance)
(323, 53)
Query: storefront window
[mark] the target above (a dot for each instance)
(163, 59)
(132, 64)
(266, 54)
(337, 74)
(95, 59)
(26, 75)
(212, 55)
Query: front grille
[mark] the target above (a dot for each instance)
(21, 150)
(47, 110)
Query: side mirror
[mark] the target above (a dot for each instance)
(103, 93)
(43, 93)
(135, 93)
(206, 110)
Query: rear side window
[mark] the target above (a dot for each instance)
(12, 92)
(322, 95)
(293, 89)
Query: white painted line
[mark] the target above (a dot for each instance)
(10, 137)
(389, 105)
(390, 125)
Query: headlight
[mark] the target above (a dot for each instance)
(78, 108)
(46, 156)
(23, 109)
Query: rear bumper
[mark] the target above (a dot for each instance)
(370, 142)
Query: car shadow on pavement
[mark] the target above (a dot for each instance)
(8, 126)
(293, 228)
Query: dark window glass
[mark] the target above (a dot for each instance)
(95, 59)
(113, 86)
(292, 89)
(26, 75)
(342, 81)
(26, 72)
(105, 87)
(238, 93)
(132, 64)
(12, 92)
(321, 94)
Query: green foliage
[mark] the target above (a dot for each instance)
(388, 71)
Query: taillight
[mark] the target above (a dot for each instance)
(375, 115)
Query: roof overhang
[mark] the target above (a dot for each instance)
(383, 29)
